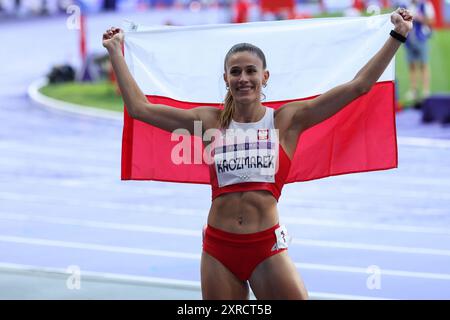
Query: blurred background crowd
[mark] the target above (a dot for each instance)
(421, 64)
(245, 10)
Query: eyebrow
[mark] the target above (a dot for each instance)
(250, 65)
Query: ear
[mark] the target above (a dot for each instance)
(225, 78)
(266, 76)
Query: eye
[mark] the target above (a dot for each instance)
(235, 71)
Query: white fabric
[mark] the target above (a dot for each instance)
(251, 152)
(305, 57)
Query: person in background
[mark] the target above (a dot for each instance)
(241, 8)
(109, 5)
(417, 48)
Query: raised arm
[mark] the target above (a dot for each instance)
(305, 114)
(161, 116)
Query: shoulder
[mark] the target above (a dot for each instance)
(289, 110)
(289, 114)
(208, 115)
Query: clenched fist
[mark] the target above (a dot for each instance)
(113, 39)
(402, 20)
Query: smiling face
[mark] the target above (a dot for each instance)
(245, 75)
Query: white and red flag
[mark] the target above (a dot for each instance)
(183, 67)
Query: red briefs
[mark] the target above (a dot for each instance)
(241, 253)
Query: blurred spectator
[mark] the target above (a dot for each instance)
(109, 5)
(359, 5)
(17, 4)
(241, 8)
(160, 3)
(44, 8)
(61, 73)
(417, 47)
(26, 8)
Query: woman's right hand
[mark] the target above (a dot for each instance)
(113, 39)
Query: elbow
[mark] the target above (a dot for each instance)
(132, 114)
(362, 87)
(132, 111)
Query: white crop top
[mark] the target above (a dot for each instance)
(246, 157)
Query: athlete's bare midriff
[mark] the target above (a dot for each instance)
(244, 212)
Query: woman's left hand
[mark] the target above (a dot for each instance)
(402, 20)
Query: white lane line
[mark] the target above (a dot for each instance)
(104, 276)
(337, 296)
(290, 199)
(424, 142)
(331, 205)
(197, 233)
(99, 247)
(105, 185)
(393, 181)
(365, 226)
(60, 154)
(93, 184)
(311, 208)
(69, 166)
(370, 247)
(386, 272)
(327, 208)
(151, 209)
(53, 143)
(192, 256)
(102, 224)
(56, 149)
(110, 205)
(348, 189)
(152, 281)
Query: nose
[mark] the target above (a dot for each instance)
(243, 77)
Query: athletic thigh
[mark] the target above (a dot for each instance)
(219, 283)
(277, 278)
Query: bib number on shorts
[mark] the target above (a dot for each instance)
(283, 238)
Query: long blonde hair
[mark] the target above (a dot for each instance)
(229, 106)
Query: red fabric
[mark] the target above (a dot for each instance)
(273, 188)
(240, 253)
(361, 137)
(277, 6)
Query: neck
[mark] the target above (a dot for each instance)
(251, 112)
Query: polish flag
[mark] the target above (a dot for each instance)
(183, 67)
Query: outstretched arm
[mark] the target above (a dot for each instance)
(305, 114)
(161, 116)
